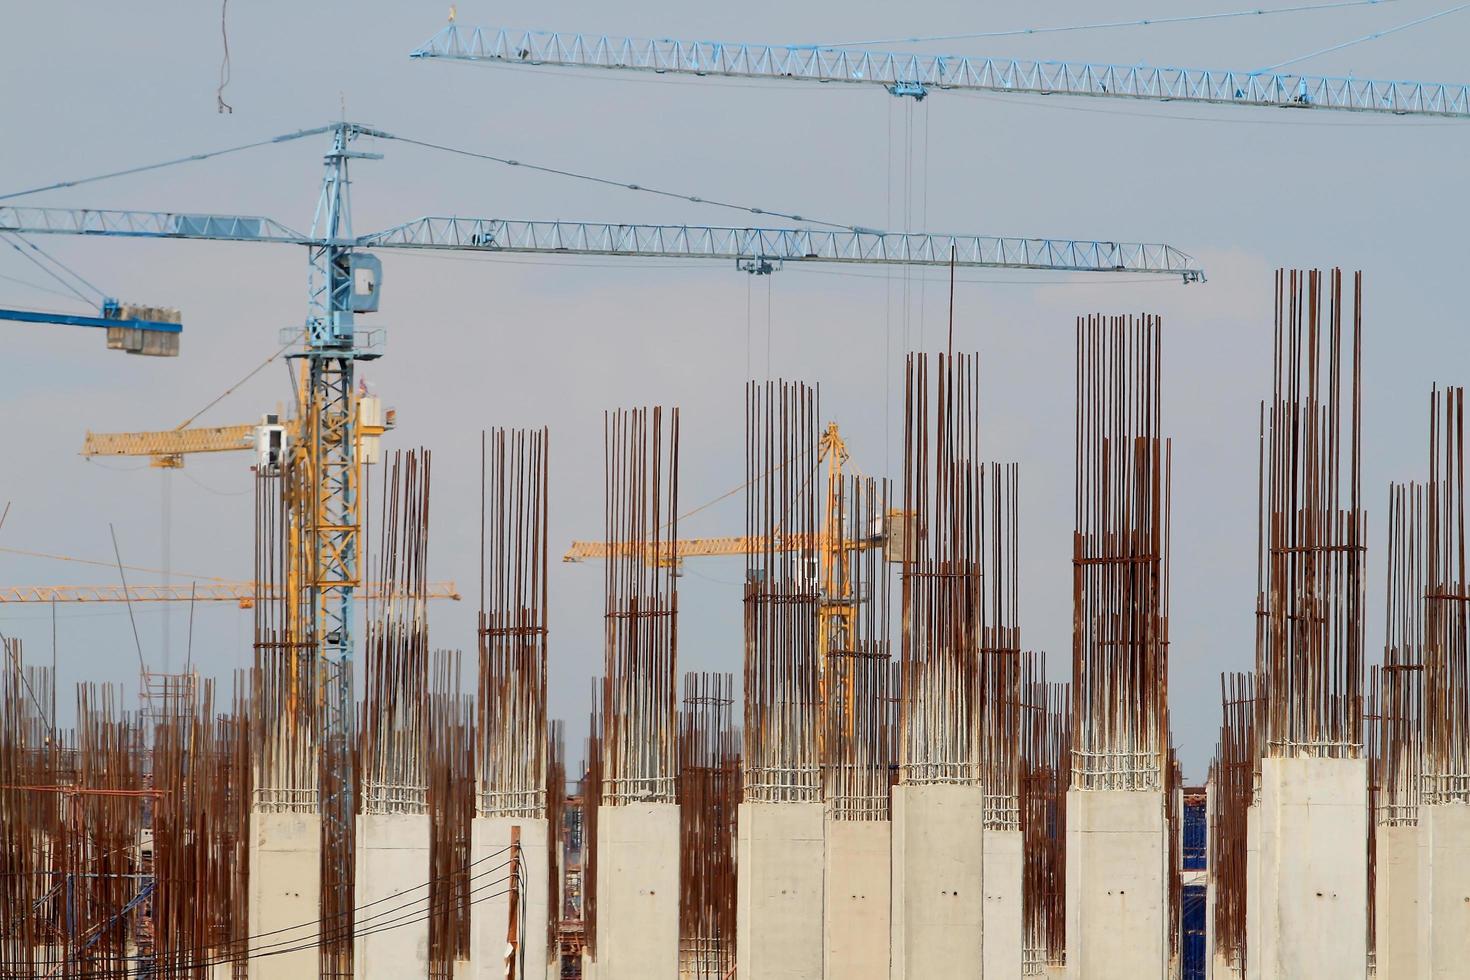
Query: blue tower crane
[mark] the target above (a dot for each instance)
(344, 281)
(911, 75)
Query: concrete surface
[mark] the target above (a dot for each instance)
(1396, 906)
(779, 856)
(1117, 894)
(1314, 869)
(490, 915)
(1253, 890)
(1004, 932)
(638, 892)
(285, 894)
(856, 927)
(392, 896)
(937, 895)
(1444, 891)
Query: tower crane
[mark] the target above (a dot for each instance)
(345, 275)
(344, 281)
(148, 330)
(915, 76)
(836, 604)
(270, 438)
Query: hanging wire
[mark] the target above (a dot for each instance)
(16, 241)
(1360, 40)
(224, 66)
(625, 185)
(1108, 25)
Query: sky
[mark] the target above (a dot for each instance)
(480, 341)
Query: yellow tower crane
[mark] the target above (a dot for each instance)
(836, 608)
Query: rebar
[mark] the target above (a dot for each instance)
(284, 681)
(782, 594)
(512, 734)
(1002, 662)
(857, 743)
(943, 608)
(392, 757)
(1314, 534)
(1045, 760)
(639, 716)
(709, 791)
(451, 804)
(1120, 564)
(1397, 755)
(1446, 708)
(1233, 774)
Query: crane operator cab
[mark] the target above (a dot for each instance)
(270, 444)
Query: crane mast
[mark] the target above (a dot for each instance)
(331, 521)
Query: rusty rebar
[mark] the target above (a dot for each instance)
(1314, 531)
(1120, 564)
(640, 735)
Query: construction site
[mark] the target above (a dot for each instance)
(415, 741)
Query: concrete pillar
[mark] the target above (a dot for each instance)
(392, 897)
(1004, 866)
(638, 892)
(285, 895)
(1314, 869)
(1396, 905)
(1444, 891)
(1212, 961)
(938, 881)
(1253, 936)
(1117, 893)
(779, 855)
(856, 927)
(490, 915)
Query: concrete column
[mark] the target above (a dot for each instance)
(490, 915)
(554, 901)
(1253, 937)
(1117, 893)
(779, 856)
(1212, 961)
(1396, 905)
(1444, 891)
(1004, 866)
(392, 896)
(856, 927)
(285, 894)
(938, 882)
(638, 892)
(1314, 869)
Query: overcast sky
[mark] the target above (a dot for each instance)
(480, 341)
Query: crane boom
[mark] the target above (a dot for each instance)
(916, 75)
(750, 246)
(147, 224)
(170, 442)
(676, 551)
(244, 593)
(756, 249)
